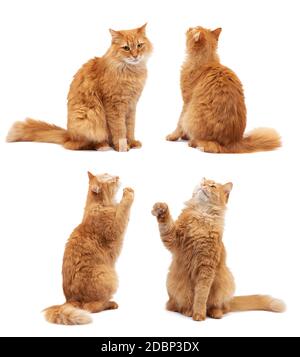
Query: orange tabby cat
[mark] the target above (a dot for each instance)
(89, 276)
(213, 117)
(102, 99)
(199, 282)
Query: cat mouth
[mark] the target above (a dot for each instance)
(133, 60)
(204, 192)
(203, 195)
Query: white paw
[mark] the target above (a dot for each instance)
(123, 145)
(104, 148)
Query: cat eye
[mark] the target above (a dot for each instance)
(126, 48)
(212, 186)
(140, 45)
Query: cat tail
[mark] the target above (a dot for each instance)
(35, 130)
(67, 314)
(256, 303)
(260, 139)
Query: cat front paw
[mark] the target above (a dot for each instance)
(121, 145)
(199, 316)
(160, 210)
(134, 144)
(193, 144)
(185, 137)
(128, 193)
(187, 312)
(172, 137)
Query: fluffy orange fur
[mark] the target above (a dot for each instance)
(102, 100)
(213, 117)
(89, 276)
(199, 283)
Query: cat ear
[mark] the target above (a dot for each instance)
(91, 176)
(227, 189)
(217, 32)
(95, 189)
(197, 36)
(142, 29)
(114, 34)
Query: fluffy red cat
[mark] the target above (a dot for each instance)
(213, 117)
(102, 99)
(199, 282)
(89, 276)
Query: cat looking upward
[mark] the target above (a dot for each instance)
(199, 282)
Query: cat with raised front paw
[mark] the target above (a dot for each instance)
(89, 276)
(199, 282)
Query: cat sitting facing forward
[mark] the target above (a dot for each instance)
(102, 100)
(199, 283)
(89, 276)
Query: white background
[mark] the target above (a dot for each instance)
(43, 187)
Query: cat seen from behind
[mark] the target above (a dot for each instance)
(213, 117)
(89, 276)
(102, 100)
(199, 282)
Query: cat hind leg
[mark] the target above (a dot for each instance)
(78, 145)
(206, 146)
(172, 306)
(98, 306)
(103, 146)
(215, 313)
(176, 134)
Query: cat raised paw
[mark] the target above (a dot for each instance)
(160, 210)
(128, 193)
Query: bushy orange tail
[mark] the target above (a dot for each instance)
(260, 139)
(67, 314)
(34, 130)
(256, 302)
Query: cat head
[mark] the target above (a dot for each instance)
(202, 41)
(130, 46)
(209, 192)
(103, 186)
